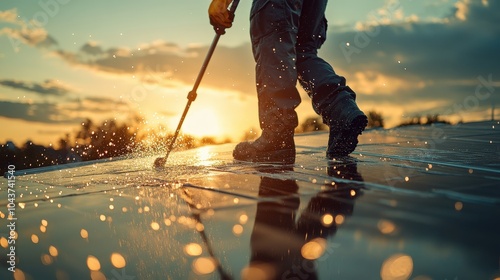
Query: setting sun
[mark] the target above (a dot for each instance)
(204, 122)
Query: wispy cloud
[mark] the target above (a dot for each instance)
(392, 57)
(70, 106)
(10, 16)
(21, 31)
(420, 62)
(35, 112)
(48, 87)
(67, 112)
(165, 63)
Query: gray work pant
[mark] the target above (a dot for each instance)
(286, 35)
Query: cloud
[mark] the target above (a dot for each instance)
(391, 57)
(429, 50)
(165, 63)
(97, 105)
(67, 112)
(48, 87)
(35, 112)
(424, 61)
(68, 109)
(30, 33)
(10, 16)
(101, 100)
(91, 48)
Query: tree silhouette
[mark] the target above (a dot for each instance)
(109, 139)
(112, 139)
(430, 119)
(311, 124)
(375, 119)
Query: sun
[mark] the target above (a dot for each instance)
(202, 122)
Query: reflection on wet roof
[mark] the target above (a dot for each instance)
(410, 203)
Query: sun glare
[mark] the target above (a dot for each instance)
(200, 123)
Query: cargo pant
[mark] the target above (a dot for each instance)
(286, 35)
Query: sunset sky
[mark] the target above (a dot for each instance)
(62, 61)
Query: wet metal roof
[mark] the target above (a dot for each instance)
(419, 202)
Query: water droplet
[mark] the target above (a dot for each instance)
(19, 274)
(93, 263)
(327, 220)
(155, 226)
(34, 238)
(398, 266)
(3, 242)
(193, 249)
(203, 266)
(313, 249)
(118, 261)
(200, 227)
(237, 229)
(53, 251)
(243, 219)
(46, 259)
(386, 227)
(339, 219)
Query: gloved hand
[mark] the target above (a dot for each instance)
(220, 17)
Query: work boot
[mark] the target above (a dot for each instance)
(345, 126)
(270, 147)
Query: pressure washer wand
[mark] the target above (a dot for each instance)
(160, 162)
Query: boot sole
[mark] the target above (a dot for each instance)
(349, 137)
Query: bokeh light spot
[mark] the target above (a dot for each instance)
(339, 219)
(155, 226)
(97, 275)
(3, 242)
(237, 230)
(260, 271)
(118, 261)
(327, 220)
(19, 274)
(93, 263)
(397, 267)
(34, 238)
(193, 249)
(203, 266)
(46, 259)
(84, 233)
(386, 227)
(53, 251)
(243, 219)
(313, 249)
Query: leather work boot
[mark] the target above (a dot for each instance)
(270, 147)
(345, 128)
